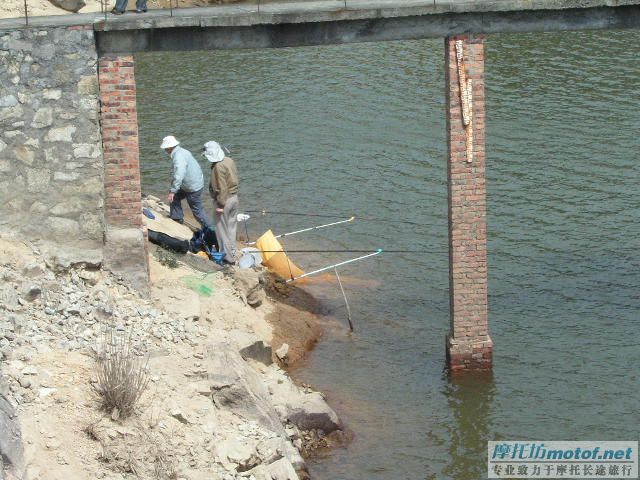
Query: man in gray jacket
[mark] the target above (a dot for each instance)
(187, 183)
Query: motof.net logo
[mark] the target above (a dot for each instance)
(613, 459)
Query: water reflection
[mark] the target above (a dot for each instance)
(470, 398)
(359, 129)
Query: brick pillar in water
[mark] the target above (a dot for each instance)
(468, 344)
(125, 242)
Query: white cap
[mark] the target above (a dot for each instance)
(169, 142)
(213, 152)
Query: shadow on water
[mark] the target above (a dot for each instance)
(470, 398)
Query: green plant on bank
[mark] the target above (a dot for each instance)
(166, 258)
(122, 376)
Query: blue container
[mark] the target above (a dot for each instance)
(218, 257)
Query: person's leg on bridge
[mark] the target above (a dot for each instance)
(121, 6)
(141, 6)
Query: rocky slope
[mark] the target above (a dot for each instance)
(217, 405)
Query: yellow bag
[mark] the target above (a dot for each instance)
(274, 258)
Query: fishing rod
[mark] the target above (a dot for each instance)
(346, 302)
(324, 215)
(318, 227)
(348, 251)
(378, 252)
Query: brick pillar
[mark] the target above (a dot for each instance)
(125, 251)
(468, 343)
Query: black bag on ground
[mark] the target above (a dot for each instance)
(167, 241)
(204, 240)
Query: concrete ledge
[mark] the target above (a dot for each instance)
(210, 33)
(306, 12)
(469, 354)
(335, 11)
(125, 255)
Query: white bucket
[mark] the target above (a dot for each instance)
(251, 257)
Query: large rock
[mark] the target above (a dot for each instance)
(61, 134)
(251, 346)
(239, 450)
(38, 180)
(238, 387)
(11, 451)
(311, 412)
(235, 385)
(76, 255)
(125, 255)
(69, 5)
(24, 154)
(42, 118)
(305, 410)
(250, 286)
(63, 227)
(8, 101)
(278, 470)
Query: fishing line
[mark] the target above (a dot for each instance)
(353, 251)
(322, 215)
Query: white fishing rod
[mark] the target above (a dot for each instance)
(318, 227)
(334, 266)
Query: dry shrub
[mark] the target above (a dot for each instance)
(92, 431)
(122, 375)
(164, 467)
(141, 452)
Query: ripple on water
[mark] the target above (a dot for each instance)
(359, 129)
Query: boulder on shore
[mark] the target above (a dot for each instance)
(69, 5)
(250, 286)
(301, 407)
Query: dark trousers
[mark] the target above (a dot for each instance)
(194, 199)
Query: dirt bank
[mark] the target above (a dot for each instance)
(294, 320)
(217, 405)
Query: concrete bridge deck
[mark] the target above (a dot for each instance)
(294, 23)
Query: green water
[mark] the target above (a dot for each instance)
(359, 129)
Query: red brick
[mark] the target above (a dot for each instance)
(469, 346)
(120, 140)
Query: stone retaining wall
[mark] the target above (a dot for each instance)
(54, 178)
(51, 169)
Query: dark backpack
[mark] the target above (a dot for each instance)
(204, 240)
